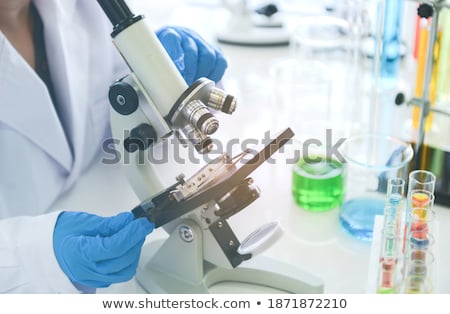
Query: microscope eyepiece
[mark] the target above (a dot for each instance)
(116, 10)
(119, 14)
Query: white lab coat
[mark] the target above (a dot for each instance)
(38, 159)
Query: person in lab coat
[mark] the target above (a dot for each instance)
(56, 65)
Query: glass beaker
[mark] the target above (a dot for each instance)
(318, 180)
(321, 38)
(302, 96)
(372, 160)
(329, 41)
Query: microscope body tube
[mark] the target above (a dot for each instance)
(147, 58)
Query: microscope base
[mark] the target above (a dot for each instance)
(241, 30)
(256, 36)
(259, 272)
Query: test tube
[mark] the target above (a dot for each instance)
(391, 38)
(421, 180)
(419, 216)
(420, 241)
(387, 271)
(418, 237)
(421, 199)
(415, 284)
(390, 233)
(395, 191)
(387, 276)
(420, 263)
(419, 272)
(394, 212)
(421, 228)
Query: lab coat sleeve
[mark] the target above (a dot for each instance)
(27, 261)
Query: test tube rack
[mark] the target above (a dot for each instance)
(407, 247)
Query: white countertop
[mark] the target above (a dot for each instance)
(312, 241)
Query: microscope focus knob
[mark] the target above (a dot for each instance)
(141, 137)
(123, 98)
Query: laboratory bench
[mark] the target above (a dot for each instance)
(312, 241)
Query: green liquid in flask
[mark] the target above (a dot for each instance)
(318, 184)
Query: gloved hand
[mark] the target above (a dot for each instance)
(192, 55)
(95, 251)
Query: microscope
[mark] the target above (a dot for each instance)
(247, 27)
(160, 121)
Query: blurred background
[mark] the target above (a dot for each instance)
(353, 66)
(329, 70)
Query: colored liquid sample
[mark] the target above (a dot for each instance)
(418, 268)
(443, 81)
(390, 52)
(437, 161)
(418, 255)
(392, 211)
(388, 264)
(387, 280)
(419, 214)
(384, 290)
(395, 199)
(420, 199)
(419, 242)
(421, 61)
(390, 247)
(419, 227)
(358, 216)
(318, 184)
(422, 55)
(417, 284)
(386, 276)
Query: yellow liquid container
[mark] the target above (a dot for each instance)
(443, 82)
(422, 49)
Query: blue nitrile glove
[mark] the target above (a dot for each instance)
(192, 55)
(95, 251)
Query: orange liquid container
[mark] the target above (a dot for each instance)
(422, 49)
